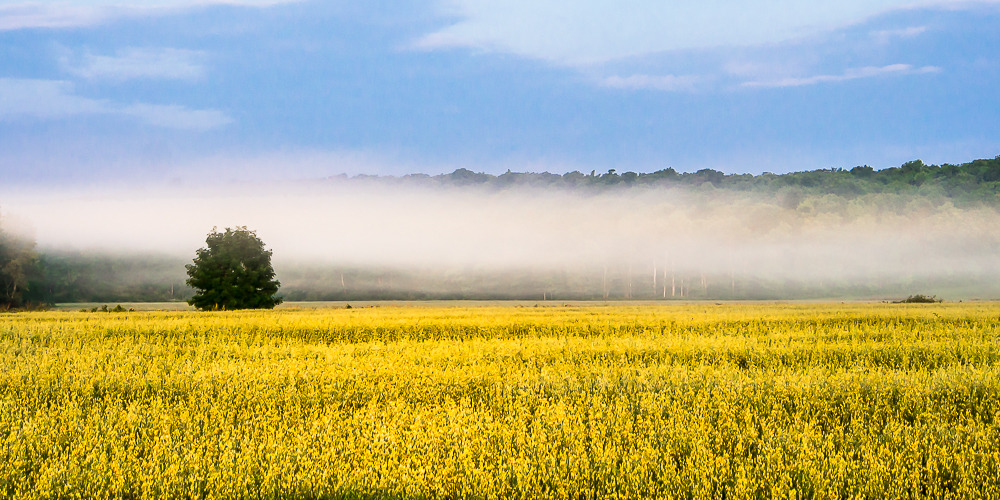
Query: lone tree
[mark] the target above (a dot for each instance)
(233, 271)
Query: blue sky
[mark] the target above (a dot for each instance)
(180, 90)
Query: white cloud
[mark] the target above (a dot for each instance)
(135, 63)
(667, 83)
(850, 74)
(24, 15)
(574, 32)
(19, 14)
(53, 99)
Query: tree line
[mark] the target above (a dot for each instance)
(974, 182)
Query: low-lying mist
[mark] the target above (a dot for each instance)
(382, 238)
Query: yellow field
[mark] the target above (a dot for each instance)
(692, 401)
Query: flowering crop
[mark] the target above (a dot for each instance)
(679, 401)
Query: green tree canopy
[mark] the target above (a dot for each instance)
(233, 271)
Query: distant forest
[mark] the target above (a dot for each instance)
(44, 276)
(976, 182)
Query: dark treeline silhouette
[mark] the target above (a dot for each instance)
(973, 182)
(71, 276)
(18, 267)
(316, 283)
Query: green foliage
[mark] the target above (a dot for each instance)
(233, 271)
(920, 299)
(973, 183)
(104, 308)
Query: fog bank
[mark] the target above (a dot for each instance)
(665, 234)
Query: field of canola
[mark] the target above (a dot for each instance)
(678, 401)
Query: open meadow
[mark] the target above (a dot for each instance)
(627, 401)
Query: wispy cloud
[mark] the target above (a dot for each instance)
(579, 33)
(53, 99)
(27, 15)
(850, 74)
(20, 14)
(138, 63)
(667, 83)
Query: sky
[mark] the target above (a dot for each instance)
(94, 92)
